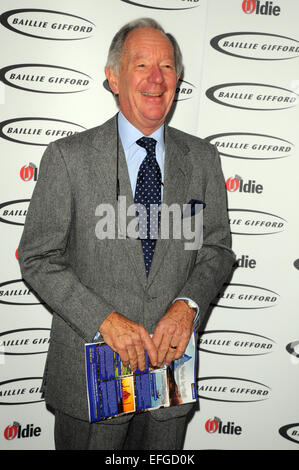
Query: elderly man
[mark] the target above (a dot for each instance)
(138, 294)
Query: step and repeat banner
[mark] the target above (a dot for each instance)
(240, 91)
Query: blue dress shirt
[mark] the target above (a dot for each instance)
(134, 153)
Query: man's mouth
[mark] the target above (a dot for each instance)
(144, 93)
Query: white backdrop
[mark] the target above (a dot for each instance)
(240, 90)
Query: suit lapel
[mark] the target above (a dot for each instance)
(105, 145)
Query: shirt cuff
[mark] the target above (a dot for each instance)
(98, 337)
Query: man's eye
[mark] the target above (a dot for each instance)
(140, 65)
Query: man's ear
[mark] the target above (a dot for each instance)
(112, 80)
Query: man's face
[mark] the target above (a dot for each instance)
(147, 80)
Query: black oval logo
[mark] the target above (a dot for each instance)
(47, 24)
(250, 146)
(256, 46)
(232, 389)
(234, 343)
(184, 90)
(251, 222)
(15, 292)
(253, 96)
(42, 78)
(21, 391)
(293, 348)
(14, 212)
(25, 341)
(296, 263)
(176, 4)
(290, 432)
(245, 297)
(37, 130)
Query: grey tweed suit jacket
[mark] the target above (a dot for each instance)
(82, 278)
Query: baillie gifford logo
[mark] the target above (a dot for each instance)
(259, 8)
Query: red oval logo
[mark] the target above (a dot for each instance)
(28, 172)
(232, 184)
(249, 6)
(211, 425)
(10, 432)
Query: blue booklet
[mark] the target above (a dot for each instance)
(113, 390)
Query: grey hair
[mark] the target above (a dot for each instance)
(116, 47)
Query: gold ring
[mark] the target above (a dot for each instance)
(173, 347)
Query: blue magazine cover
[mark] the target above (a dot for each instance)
(113, 390)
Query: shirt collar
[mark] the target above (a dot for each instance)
(129, 134)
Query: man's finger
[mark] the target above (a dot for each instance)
(174, 349)
(163, 348)
(149, 345)
(132, 357)
(182, 345)
(165, 327)
(140, 354)
(124, 357)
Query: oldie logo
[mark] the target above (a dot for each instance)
(14, 212)
(42, 78)
(21, 391)
(232, 389)
(37, 131)
(29, 172)
(247, 297)
(17, 293)
(246, 145)
(160, 4)
(290, 432)
(253, 96)
(25, 341)
(257, 46)
(260, 8)
(15, 430)
(237, 183)
(215, 425)
(235, 343)
(251, 222)
(47, 24)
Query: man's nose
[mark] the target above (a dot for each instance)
(156, 74)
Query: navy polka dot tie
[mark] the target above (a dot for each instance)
(148, 193)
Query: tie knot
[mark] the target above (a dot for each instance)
(148, 143)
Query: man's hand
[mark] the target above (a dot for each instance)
(129, 340)
(174, 329)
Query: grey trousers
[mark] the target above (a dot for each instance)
(142, 432)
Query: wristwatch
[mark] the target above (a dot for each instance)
(194, 306)
(191, 304)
